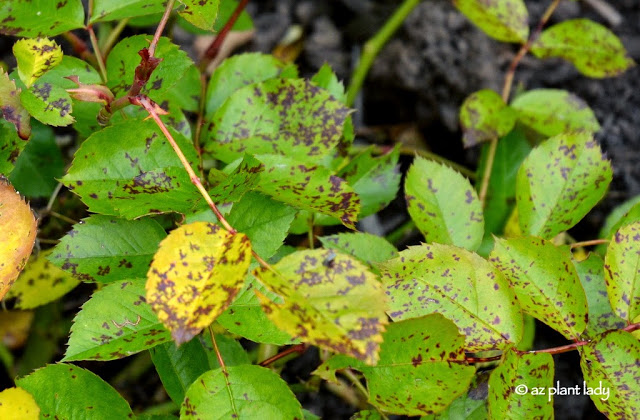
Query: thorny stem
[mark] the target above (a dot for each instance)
(373, 46)
(554, 350)
(212, 51)
(589, 243)
(506, 92)
(298, 348)
(149, 106)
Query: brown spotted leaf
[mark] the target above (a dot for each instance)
(559, 182)
(592, 277)
(444, 205)
(47, 102)
(35, 57)
(130, 170)
(308, 187)
(289, 117)
(484, 116)
(37, 18)
(11, 108)
(422, 367)
(202, 14)
(40, 283)
(554, 111)
(116, 322)
(545, 282)
(104, 249)
(18, 230)
(622, 272)
(330, 300)
(195, 275)
(516, 373)
(593, 49)
(610, 368)
(459, 285)
(504, 20)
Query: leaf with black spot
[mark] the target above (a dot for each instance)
(37, 18)
(11, 108)
(622, 272)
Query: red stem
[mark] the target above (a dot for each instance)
(298, 348)
(212, 51)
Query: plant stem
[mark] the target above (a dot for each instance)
(63, 217)
(113, 36)
(224, 370)
(506, 91)
(589, 243)
(212, 51)
(160, 28)
(298, 348)
(373, 46)
(96, 51)
(149, 107)
(356, 381)
(80, 47)
(200, 123)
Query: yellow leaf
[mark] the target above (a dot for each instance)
(40, 283)
(16, 403)
(195, 275)
(35, 57)
(330, 300)
(17, 234)
(14, 328)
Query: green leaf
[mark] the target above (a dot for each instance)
(35, 57)
(39, 164)
(559, 182)
(48, 103)
(469, 406)
(11, 110)
(40, 283)
(243, 392)
(265, 221)
(105, 249)
(236, 72)
(443, 204)
(622, 272)
(289, 117)
(245, 316)
(592, 48)
(185, 94)
(610, 368)
(623, 214)
(554, 111)
(195, 275)
(130, 170)
(484, 116)
(376, 180)
(232, 183)
(601, 316)
(68, 392)
(115, 323)
(10, 147)
(504, 20)
(461, 286)
(366, 415)
(123, 60)
(366, 247)
(309, 187)
(179, 367)
(330, 300)
(422, 367)
(203, 14)
(37, 18)
(501, 193)
(106, 10)
(524, 374)
(545, 282)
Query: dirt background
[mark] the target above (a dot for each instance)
(423, 75)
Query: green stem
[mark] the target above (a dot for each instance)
(113, 36)
(98, 54)
(373, 46)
